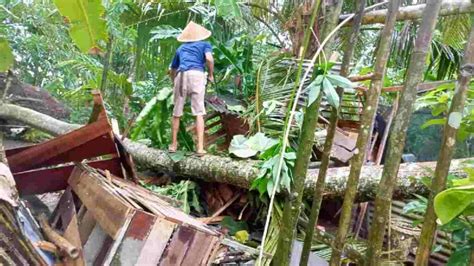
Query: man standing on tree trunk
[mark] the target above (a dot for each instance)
(189, 79)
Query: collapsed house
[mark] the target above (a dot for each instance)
(103, 216)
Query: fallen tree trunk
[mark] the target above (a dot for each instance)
(413, 12)
(238, 172)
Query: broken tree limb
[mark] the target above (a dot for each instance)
(241, 173)
(413, 12)
(57, 239)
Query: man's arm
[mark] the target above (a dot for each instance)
(210, 66)
(172, 73)
(174, 67)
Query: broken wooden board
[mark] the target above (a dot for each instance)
(108, 210)
(145, 240)
(135, 226)
(55, 179)
(67, 218)
(45, 167)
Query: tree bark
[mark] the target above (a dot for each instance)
(446, 153)
(320, 184)
(293, 201)
(366, 124)
(241, 173)
(413, 12)
(397, 138)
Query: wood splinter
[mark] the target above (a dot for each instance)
(63, 244)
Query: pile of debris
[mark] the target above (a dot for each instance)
(102, 217)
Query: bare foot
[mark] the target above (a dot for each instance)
(201, 153)
(172, 148)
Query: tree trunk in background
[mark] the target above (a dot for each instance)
(453, 121)
(414, 12)
(293, 201)
(397, 138)
(241, 173)
(366, 123)
(325, 159)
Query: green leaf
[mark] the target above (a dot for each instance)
(270, 106)
(460, 256)
(87, 26)
(228, 9)
(162, 32)
(236, 108)
(238, 147)
(331, 94)
(450, 203)
(270, 187)
(313, 91)
(233, 226)
(438, 109)
(436, 249)
(242, 236)
(340, 81)
(260, 142)
(177, 156)
(432, 122)
(6, 55)
(246, 148)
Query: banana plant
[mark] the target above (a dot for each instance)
(455, 210)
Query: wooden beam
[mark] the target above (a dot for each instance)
(414, 12)
(38, 154)
(55, 179)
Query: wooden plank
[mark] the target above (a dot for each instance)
(108, 210)
(55, 179)
(101, 145)
(156, 243)
(86, 226)
(94, 244)
(31, 158)
(145, 240)
(198, 251)
(178, 246)
(67, 211)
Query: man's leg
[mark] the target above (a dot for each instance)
(200, 133)
(179, 93)
(174, 133)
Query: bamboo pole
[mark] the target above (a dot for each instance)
(64, 245)
(284, 246)
(451, 127)
(293, 202)
(397, 138)
(320, 184)
(367, 119)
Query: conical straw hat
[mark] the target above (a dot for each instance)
(193, 33)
